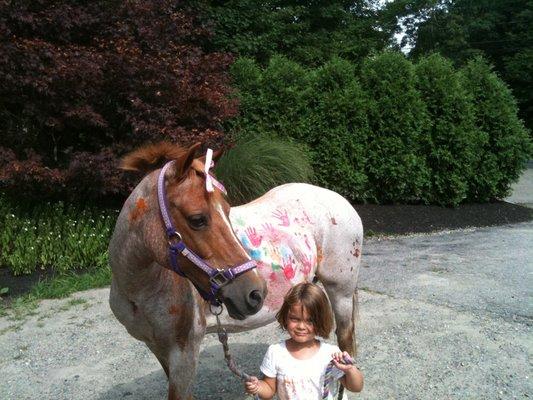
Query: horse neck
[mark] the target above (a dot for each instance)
(136, 240)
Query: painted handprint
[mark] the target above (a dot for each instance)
(272, 234)
(306, 218)
(288, 268)
(255, 238)
(307, 264)
(283, 217)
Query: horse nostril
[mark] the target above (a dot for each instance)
(255, 298)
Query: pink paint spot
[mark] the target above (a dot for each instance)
(255, 238)
(272, 234)
(277, 288)
(283, 217)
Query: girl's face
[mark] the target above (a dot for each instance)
(299, 325)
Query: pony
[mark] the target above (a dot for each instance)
(169, 283)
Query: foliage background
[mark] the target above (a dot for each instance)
(304, 91)
(83, 82)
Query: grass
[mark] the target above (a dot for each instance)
(55, 288)
(68, 283)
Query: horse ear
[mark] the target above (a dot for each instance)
(217, 154)
(187, 159)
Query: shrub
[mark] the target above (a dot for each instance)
(322, 108)
(503, 155)
(83, 82)
(338, 129)
(257, 164)
(400, 133)
(395, 166)
(450, 142)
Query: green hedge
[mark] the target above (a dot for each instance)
(506, 145)
(322, 108)
(396, 166)
(392, 131)
(450, 141)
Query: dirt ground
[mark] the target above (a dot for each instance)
(442, 316)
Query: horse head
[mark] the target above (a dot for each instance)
(200, 219)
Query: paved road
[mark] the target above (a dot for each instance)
(443, 316)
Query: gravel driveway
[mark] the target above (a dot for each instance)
(442, 316)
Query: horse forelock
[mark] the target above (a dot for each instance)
(152, 157)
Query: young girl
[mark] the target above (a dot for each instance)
(295, 368)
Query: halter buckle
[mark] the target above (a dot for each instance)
(220, 279)
(174, 238)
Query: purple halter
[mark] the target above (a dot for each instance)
(217, 277)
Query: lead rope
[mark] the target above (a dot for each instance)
(328, 378)
(230, 362)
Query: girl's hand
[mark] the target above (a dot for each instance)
(252, 386)
(338, 361)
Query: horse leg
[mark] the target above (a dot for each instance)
(338, 273)
(182, 371)
(158, 354)
(345, 308)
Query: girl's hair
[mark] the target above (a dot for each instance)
(314, 301)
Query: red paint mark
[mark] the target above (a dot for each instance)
(355, 252)
(306, 218)
(307, 242)
(288, 268)
(307, 264)
(333, 221)
(173, 310)
(140, 209)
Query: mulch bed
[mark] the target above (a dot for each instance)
(377, 219)
(403, 219)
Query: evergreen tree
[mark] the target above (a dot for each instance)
(450, 142)
(500, 31)
(507, 145)
(309, 32)
(396, 166)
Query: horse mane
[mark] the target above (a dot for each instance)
(152, 156)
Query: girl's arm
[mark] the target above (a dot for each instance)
(265, 388)
(353, 379)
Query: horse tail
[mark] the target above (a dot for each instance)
(355, 318)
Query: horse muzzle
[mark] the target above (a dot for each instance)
(241, 300)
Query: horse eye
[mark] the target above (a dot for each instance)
(198, 221)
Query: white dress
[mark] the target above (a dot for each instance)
(301, 379)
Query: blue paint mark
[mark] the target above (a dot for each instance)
(255, 254)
